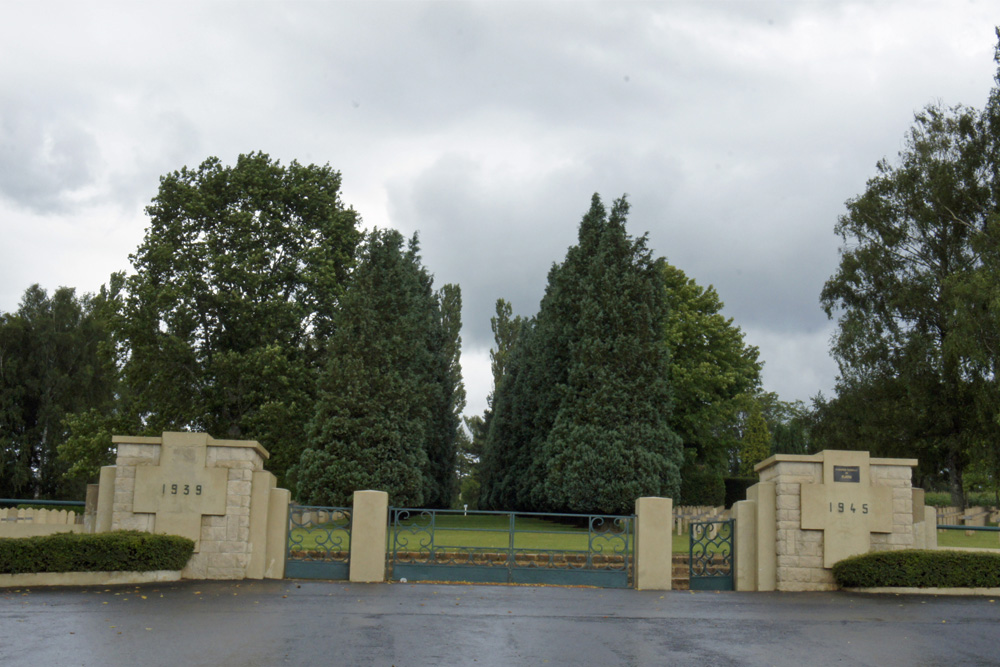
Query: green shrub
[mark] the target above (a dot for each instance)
(701, 485)
(937, 499)
(119, 551)
(916, 568)
(973, 498)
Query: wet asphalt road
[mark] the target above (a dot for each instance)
(330, 623)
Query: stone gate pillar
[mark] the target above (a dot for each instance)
(215, 492)
(827, 506)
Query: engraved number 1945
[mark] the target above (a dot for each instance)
(841, 508)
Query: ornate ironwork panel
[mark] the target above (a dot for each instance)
(319, 542)
(712, 556)
(509, 547)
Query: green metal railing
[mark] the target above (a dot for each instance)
(510, 547)
(711, 556)
(319, 542)
(29, 501)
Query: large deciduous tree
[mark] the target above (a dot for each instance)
(711, 370)
(236, 284)
(390, 393)
(910, 368)
(54, 360)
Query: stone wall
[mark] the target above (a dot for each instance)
(876, 512)
(229, 525)
(900, 479)
(798, 553)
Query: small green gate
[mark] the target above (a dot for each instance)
(511, 547)
(319, 542)
(712, 559)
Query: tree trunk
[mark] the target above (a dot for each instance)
(957, 488)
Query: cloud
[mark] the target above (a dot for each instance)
(738, 130)
(48, 158)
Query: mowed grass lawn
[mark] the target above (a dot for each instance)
(484, 531)
(979, 539)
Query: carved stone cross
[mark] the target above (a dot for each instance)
(180, 490)
(846, 507)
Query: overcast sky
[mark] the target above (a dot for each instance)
(738, 129)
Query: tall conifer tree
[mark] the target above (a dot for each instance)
(580, 416)
(391, 389)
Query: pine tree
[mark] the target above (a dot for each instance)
(579, 418)
(391, 389)
(610, 441)
(447, 398)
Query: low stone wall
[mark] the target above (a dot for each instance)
(34, 522)
(87, 578)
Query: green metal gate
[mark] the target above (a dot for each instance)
(319, 542)
(712, 559)
(511, 547)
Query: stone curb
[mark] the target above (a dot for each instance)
(87, 578)
(926, 591)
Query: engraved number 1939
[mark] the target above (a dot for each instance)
(182, 489)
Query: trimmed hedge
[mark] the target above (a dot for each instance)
(919, 568)
(972, 498)
(700, 485)
(119, 551)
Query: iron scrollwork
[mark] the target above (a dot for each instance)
(319, 533)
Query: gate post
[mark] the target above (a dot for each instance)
(745, 546)
(276, 533)
(654, 544)
(368, 532)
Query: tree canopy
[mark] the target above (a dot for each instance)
(911, 375)
(580, 416)
(54, 360)
(235, 286)
(390, 394)
(711, 371)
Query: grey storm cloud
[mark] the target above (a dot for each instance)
(46, 154)
(737, 130)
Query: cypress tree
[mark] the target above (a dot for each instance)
(610, 441)
(579, 419)
(446, 395)
(376, 412)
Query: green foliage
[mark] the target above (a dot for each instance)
(119, 551)
(972, 498)
(915, 378)
(755, 446)
(235, 287)
(390, 394)
(501, 437)
(919, 569)
(736, 488)
(53, 361)
(579, 417)
(710, 368)
(447, 397)
(701, 484)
